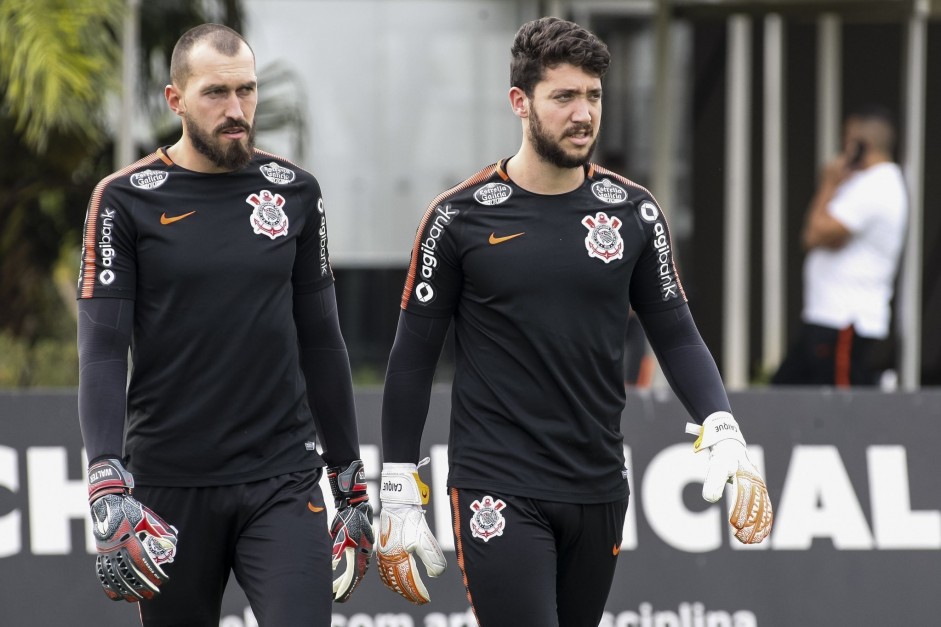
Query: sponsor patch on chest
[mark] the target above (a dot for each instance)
(277, 174)
(493, 193)
(606, 191)
(604, 237)
(268, 217)
(149, 179)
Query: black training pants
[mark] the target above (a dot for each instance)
(272, 534)
(532, 562)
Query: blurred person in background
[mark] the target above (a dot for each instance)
(853, 234)
(209, 260)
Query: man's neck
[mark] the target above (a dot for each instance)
(531, 172)
(877, 160)
(186, 156)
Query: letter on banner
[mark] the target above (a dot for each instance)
(669, 472)
(818, 501)
(895, 525)
(54, 501)
(11, 542)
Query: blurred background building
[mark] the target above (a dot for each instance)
(724, 109)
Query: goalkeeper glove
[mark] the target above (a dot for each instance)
(403, 532)
(751, 515)
(352, 527)
(133, 542)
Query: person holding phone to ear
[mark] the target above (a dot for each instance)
(852, 234)
(857, 154)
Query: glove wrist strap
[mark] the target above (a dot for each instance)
(108, 476)
(716, 427)
(402, 485)
(348, 484)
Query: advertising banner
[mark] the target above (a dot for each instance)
(853, 477)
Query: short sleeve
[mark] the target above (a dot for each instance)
(853, 207)
(312, 269)
(109, 255)
(434, 281)
(655, 282)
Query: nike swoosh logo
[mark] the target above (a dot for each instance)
(615, 550)
(102, 525)
(384, 535)
(314, 508)
(165, 220)
(499, 240)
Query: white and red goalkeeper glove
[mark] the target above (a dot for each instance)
(751, 515)
(133, 543)
(404, 533)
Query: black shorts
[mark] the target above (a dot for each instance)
(826, 356)
(272, 534)
(531, 562)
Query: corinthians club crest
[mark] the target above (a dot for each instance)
(268, 218)
(487, 521)
(604, 239)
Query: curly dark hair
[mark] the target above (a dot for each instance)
(549, 42)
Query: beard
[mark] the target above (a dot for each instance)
(551, 151)
(225, 154)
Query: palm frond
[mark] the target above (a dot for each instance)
(58, 62)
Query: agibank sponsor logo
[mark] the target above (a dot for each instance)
(443, 215)
(669, 288)
(106, 246)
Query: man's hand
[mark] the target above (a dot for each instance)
(133, 542)
(404, 532)
(352, 527)
(751, 516)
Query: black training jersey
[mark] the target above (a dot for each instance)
(212, 263)
(539, 288)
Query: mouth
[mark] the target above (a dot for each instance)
(234, 132)
(580, 136)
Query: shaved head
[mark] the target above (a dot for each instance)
(221, 38)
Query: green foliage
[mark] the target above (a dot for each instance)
(60, 64)
(43, 351)
(47, 363)
(58, 61)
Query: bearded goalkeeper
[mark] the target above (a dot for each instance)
(208, 259)
(537, 261)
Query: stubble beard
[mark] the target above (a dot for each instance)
(225, 154)
(551, 151)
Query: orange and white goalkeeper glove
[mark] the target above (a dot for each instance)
(404, 533)
(751, 515)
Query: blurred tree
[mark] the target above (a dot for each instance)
(59, 63)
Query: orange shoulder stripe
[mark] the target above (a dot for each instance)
(481, 176)
(91, 222)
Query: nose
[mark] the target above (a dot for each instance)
(581, 111)
(233, 107)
